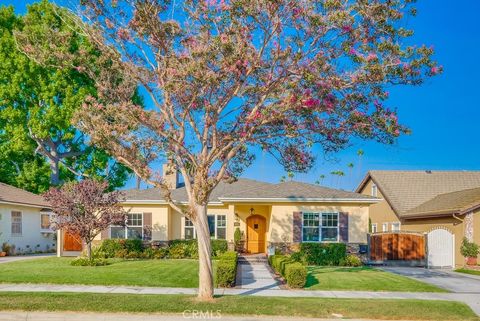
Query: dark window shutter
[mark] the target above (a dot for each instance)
(147, 226)
(104, 235)
(297, 227)
(343, 227)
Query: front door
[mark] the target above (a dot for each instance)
(256, 226)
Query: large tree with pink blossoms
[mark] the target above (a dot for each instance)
(225, 77)
(85, 209)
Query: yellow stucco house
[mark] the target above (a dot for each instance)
(444, 205)
(267, 215)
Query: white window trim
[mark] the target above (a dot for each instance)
(21, 224)
(126, 228)
(215, 228)
(374, 227)
(399, 226)
(374, 188)
(320, 227)
(385, 227)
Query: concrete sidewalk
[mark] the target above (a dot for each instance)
(82, 316)
(471, 299)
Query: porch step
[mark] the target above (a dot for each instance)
(253, 259)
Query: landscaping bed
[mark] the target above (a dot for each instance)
(240, 305)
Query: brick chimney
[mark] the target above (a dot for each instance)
(170, 175)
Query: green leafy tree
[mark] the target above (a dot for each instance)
(39, 144)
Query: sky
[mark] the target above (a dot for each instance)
(443, 113)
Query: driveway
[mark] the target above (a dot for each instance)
(7, 259)
(446, 279)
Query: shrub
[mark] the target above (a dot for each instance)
(226, 269)
(121, 254)
(297, 257)
(469, 249)
(323, 253)
(132, 245)
(237, 236)
(84, 261)
(134, 255)
(177, 250)
(109, 248)
(352, 260)
(219, 247)
(296, 275)
(160, 253)
(148, 253)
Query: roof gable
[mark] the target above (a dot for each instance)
(405, 190)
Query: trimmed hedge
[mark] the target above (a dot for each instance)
(294, 272)
(226, 269)
(323, 253)
(133, 249)
(296, 275)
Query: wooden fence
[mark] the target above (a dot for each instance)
(397, 247)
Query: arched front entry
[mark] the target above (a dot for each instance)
(256, 227)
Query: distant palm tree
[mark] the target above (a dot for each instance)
(360, 154)
(283, 179)
(350, 171)
(338, 174)
(320, 179)
(290, 175)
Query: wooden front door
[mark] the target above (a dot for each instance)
(71, 242)
(256, 227)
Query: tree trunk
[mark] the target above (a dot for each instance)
(89, 250)
(55, 173)
(205, 285)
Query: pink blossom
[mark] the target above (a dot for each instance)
(372, 56)
(435, 70)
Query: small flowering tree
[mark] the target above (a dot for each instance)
(85, 209)
(224, 78)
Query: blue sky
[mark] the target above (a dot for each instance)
(443, 114)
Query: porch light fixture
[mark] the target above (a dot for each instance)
(252, 211)
(237, 218)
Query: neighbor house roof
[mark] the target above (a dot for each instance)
(251, 190)
(449, 203)
(13, 195)
(406, 190)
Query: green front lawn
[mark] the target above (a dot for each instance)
(362, 279)
(240, 305)
(162, 273)
(468, 271)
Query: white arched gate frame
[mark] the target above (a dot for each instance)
(440, 249)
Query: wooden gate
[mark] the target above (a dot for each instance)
(397, 247)
(71, 242)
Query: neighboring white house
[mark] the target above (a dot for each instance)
(25, 221)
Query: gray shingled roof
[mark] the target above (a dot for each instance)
(297, 190)
(11, 194)
(252, 189)
(180, 194)
(405, 190)
(449, 203)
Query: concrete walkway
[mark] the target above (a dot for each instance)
(473, 300)
(82, 316)
(445, 279)
(8, 259)
(254, 273)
